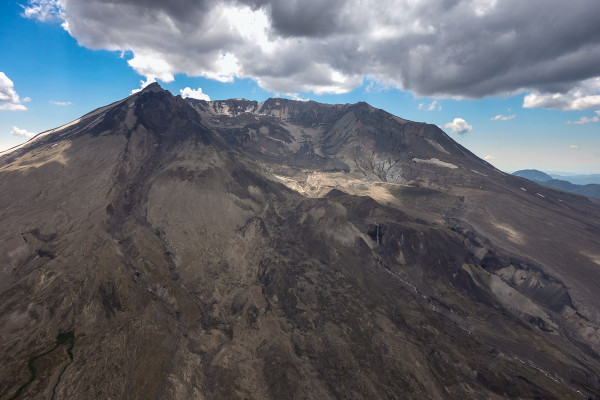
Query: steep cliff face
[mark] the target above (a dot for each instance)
(169, 248)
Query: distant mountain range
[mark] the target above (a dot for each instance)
(533, 175)
(579, 179)
(590, 190)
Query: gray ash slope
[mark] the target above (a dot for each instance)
(235, 249)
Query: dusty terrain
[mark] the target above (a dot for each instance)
(162, 248)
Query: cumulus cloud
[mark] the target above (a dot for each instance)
(585, 120)
(500, 117)
(7, 91)
(60, 103)
(434, 48)
(574, 147)
(489, 158)
(21, 132)
(9, 99)
(194, 94)
(434, 105)
(458, 125)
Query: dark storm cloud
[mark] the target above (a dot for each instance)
(516, 45)
(306, 18)
(443, 48)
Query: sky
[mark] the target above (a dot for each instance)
(516, 82)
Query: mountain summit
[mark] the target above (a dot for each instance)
(162, 248)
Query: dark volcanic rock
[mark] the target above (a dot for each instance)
(283, 249)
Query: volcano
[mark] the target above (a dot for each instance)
(170, 248)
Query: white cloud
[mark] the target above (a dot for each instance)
(143, 84)
(574, 147)
(434, 105)
(43, 10)
(489, 158)
(584, 96)
(585, 120)
(500, 117)
(374, 85)
(484, 7)
(7, 91)
(9, 99)
(61, 103)
(12, 107)
(472, 49)
(227, 68)
(560, 101)
(21, 132)
(26, 100)
(194, 94)
(152, 67)
(296, 96)
(458, 125)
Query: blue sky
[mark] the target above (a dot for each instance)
(57, 64)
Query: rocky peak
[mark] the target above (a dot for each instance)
(153, 87)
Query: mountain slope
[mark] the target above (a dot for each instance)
(235, 249)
